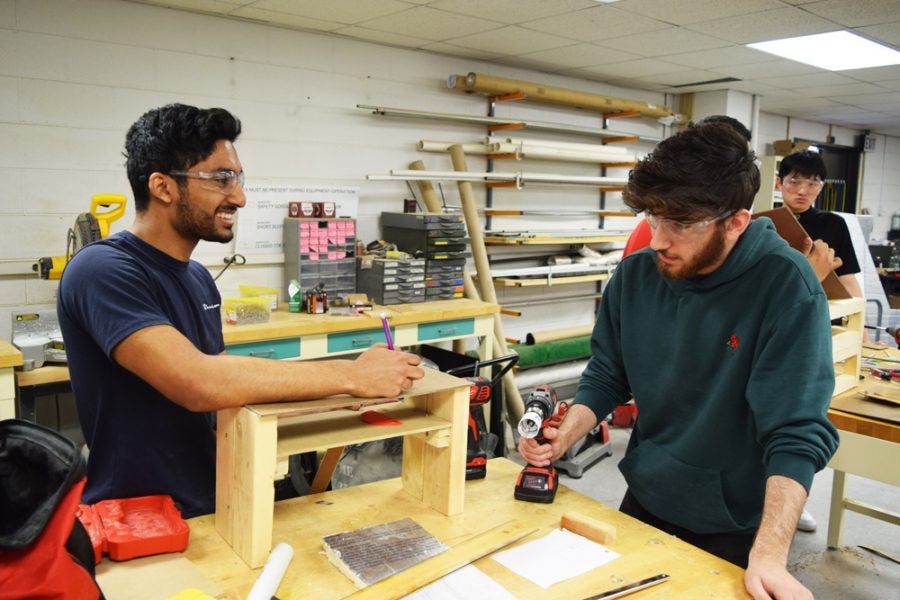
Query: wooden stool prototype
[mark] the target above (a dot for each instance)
(254, 443)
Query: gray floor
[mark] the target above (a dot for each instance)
(848, 573)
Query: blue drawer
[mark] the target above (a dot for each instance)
(267, 349)
(446, 329)
(356, 340)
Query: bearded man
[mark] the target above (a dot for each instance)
(720, 332)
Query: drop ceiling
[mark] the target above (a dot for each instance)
(668, 46)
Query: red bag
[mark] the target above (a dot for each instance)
(42, 475)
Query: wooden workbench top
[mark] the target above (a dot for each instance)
(302, 522)
(9, 355)
(285, 324)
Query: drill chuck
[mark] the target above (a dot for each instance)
(539, 407)
(530, 424)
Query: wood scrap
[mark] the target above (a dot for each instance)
(592, 529)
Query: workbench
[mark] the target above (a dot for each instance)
(301, 336)
(302, 522)
(291, 336)
(870, 448)
(10, 358)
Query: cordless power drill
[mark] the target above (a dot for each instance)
(538, 484)
(478, 439)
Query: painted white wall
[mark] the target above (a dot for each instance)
(75, 75)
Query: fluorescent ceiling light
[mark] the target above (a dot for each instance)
(835, 51)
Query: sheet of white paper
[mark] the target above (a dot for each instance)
(468, 582)
(558, 556)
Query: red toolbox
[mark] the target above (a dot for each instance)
(131, 527)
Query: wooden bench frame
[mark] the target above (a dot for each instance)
(254, 442)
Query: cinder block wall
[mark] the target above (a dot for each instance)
(75, 75)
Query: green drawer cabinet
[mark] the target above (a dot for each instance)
(356, 340)
(289, 348)
(446, 329)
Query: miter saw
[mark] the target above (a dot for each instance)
(89, 227)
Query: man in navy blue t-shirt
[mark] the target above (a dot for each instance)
(142, 327)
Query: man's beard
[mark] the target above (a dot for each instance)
(195, 224)
(709, 255)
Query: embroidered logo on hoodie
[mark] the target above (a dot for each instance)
(733, 342)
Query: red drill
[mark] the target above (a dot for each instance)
(476, 453)
(538, 484)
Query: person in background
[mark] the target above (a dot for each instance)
(801, 177)
(143, 329)
(732, 424)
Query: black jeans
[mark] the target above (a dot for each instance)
(733, 547)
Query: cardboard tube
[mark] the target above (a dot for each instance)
(496, 86)
(426, 188)
(539, 337)
(561, 145)
(514, 404)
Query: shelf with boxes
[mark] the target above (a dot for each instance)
(321, 251)
(439, 241)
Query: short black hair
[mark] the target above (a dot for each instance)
(806, 164)
(172, 138)
(737, 125)
(705, 170)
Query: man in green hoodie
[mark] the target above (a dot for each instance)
(720, 331)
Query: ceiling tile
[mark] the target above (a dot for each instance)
(796, 82)
(436, 25)
(596, 23)
(767, 25)
(893, 84)
(683, 12)
(752, 87)
(873, 100)
(667, 80)
(578, 55)
(451, 50)
(721, 57)
(635, 68)
(856, 13)
(510, 40)
(874, 74)
(285, 20)
(661, 43)
(838, 90)
(800, 103)
(887, 33)
(209, 6)
(381, 37)
(345, 11)
(774, 68)
(511, 11)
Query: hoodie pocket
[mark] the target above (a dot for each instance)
(677, 492)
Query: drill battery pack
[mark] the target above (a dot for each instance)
(537, 484)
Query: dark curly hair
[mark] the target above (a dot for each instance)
(171, 138)
(706, 170)
(806, 164)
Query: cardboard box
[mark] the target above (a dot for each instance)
(785, 147)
